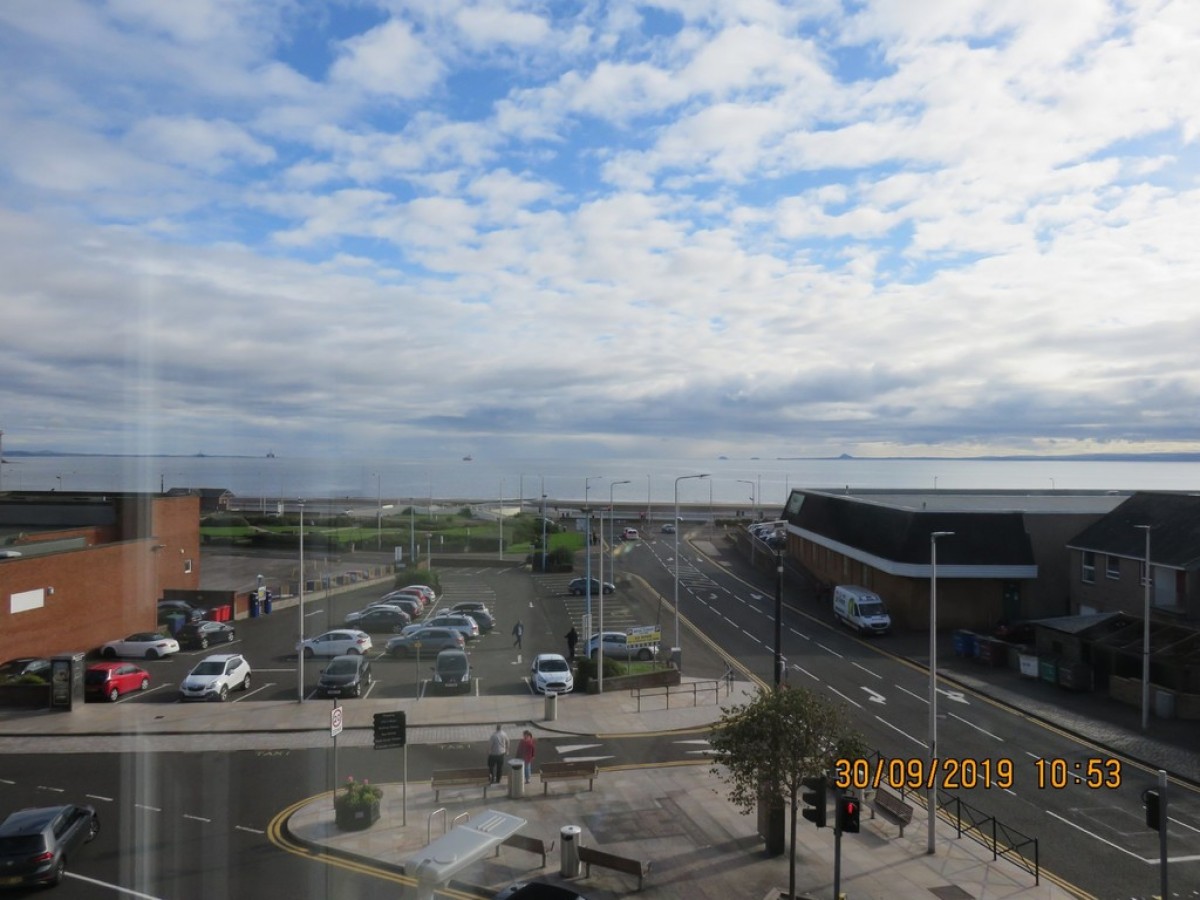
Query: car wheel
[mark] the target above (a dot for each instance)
(203, 643)
(308, 652)
(145, 685)
(645, 655)
(60, 868)
(108, 653)
(224, 694)
(114, 695)
(93, 829)
(354, 651)
(246, 683)
(229, 635)
(150, 654)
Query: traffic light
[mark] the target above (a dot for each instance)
(815, 798)
(1153, 809)
(848, 808)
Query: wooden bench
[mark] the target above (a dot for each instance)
(563, 771)
(524, 842)
(444, 778)
(590, 857)
(892, 808)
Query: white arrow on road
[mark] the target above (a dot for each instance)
(588, 758)
(875, 696)
(956, 696)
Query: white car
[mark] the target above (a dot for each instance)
(619, 645)
(215, 676)
(340, 642)
(551, 674)
(143, 645)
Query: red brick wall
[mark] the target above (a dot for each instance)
(102, 592)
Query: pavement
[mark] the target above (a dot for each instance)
(677, 817)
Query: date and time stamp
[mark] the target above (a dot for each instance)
(951, 774)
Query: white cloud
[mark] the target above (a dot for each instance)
(390, 60)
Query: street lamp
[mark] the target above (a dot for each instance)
(300, 608)
(676, 648)
(613, 560)
(1146, 635)
(751, 483)
(931, 794)
(587, 513)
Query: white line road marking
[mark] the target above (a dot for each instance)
(924, 700)
(902, 731)
(827, 650)
(588, 758)
(114, 887)
(752, 637)
(1100, 839)
(868, 671)
(956, 696)
(695, 741)
(806, 672)
(147, 808)
(251, 830)
(196, 818)
(46, 787)
(976, 727)
(875, 696)
(575, 748)
(99, 797)
(799, 634)
(844, 697)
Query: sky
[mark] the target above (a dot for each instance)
(682, 228)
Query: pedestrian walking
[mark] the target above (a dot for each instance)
(572, 640)
(526, 750)
(497, 750)
(518, 632)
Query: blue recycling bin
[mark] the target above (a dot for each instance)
(253, 606)
(267, 604)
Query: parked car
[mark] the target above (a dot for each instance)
(345, 676)
(476, 610)
(551, 674)
(430, 593)
(189, 612)
(459, 622)
(336, 643)
(406, 593)
(199, 635)
(578, 587)
(380, 618)
(215, 676)
(36, 843)
(668, 528)
(452, 671)
(25, 668)
(619, 645)
(410, 604)
(144, 644)
(629, 534)
(109, 680)
(426, 641)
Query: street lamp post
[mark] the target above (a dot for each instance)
(613, 566)
(676, 648)
(500, 516)
(751, 483)
(379, 514)
(587, 513)
(300, 608)
(412, 532)
(1146, 635)
(543, 524)
(931, 794)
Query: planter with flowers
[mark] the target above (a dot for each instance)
(356, 805)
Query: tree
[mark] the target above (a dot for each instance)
(767, 747)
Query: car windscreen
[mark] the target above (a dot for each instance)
(452, 665)
(342, 667)
(870, 608)
(553, 665)
(209, 668)
(95, 677)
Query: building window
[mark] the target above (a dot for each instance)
(1112, 567)
(187, 567)
(1089, 567)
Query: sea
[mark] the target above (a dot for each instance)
(756, 483)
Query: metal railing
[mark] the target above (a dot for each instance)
(694, 689)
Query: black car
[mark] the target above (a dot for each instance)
(579, 587)
(452, 671)
(345, 676)
(538, 890)
(478, 611)
(25, 668)
(200, 635)
(36, 843)
(375, 619)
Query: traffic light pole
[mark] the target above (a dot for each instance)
(1162, 832)
(837, 862)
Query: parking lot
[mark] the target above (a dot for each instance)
(542, 603)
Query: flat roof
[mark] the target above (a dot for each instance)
(948, 500)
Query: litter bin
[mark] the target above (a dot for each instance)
(568, 848)
(516, 779)
(551, 707)
(267, 604)
(253, 606)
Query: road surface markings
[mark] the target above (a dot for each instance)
(46, 787)
(924, 700)
(575, 748)
(115, 887)
(251, 830)
(196, 818)
(876, 697)
(902, 731)
(827, 650)
(799, 634)
(147, 808)
(844, 697)
(99, 797)
(976, 727)
(805, 671)
(868, 671)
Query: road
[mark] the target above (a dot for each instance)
(1092, 835)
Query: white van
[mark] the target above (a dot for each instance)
(629, 534)
(861, 609)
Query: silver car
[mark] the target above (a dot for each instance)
(619, 645)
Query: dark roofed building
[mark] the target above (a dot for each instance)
(211, 499)
(1007, 559)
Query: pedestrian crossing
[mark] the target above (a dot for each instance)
(619, 615)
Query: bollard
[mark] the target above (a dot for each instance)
(551, 707)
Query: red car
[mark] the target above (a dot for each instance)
(109, 680)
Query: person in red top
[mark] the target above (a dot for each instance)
(526, 749)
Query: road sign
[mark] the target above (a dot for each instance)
(390, 730)
(335, 722)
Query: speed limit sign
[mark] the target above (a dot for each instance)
(335, 722)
